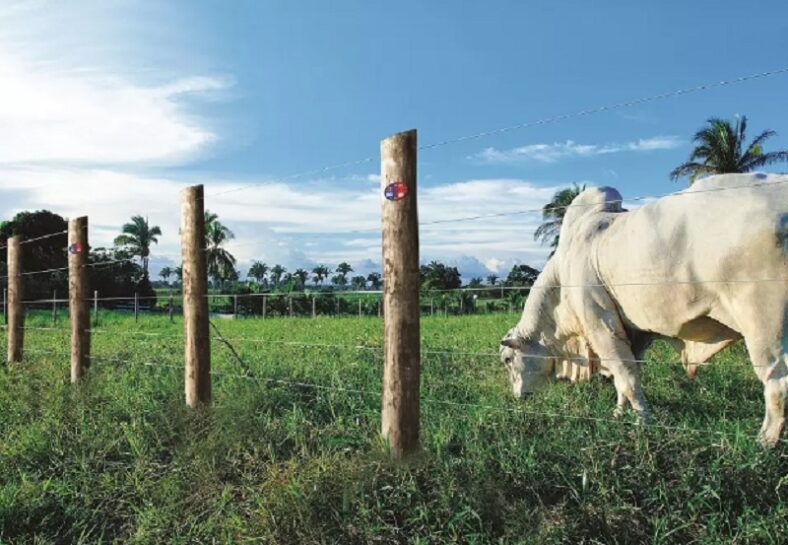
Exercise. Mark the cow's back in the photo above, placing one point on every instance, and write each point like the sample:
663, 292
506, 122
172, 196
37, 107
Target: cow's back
695, 253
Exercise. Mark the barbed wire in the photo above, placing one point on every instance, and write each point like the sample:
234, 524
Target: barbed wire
59, 269
528, 124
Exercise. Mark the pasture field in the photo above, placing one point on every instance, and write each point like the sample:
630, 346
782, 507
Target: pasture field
120, 459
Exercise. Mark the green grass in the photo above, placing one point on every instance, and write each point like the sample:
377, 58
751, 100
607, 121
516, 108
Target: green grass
119, 459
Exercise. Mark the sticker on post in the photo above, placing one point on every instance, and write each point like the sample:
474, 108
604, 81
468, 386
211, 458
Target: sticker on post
396, 191
75, 248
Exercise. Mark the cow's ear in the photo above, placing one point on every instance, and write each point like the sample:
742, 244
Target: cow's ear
515, 343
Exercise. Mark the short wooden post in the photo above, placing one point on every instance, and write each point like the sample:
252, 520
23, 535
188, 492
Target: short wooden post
95, 308
136, 307
265, 305
461, 305
401, 372
290, 305
54, 307
314, 306
16, 310
338, 309
378, 308
197, 347
78, 300
359, 308
170, 309
235, 307
432, 307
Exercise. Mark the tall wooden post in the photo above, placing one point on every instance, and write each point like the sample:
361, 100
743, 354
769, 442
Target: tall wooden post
197, 347
78, 300
401, 372
16, 310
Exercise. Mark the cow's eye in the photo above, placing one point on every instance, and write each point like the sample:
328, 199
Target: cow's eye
508, 361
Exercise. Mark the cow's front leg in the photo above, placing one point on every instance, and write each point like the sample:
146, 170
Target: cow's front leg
622, 404
621, 362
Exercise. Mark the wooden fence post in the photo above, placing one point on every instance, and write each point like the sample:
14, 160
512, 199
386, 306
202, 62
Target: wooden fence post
78, 300
290, 305
136, 307
54, 307
95, 308
5, 305
170, 309
265, 305
197, 347
235, 307
16, 310
400, 400
314, 306
359, 308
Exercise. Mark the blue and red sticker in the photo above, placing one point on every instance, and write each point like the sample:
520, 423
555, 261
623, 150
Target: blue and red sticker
396, 191
75, 248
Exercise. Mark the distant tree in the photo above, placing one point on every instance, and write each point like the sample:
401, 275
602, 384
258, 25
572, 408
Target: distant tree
492, 279
220, 262
165, 274
258, 271
476, 282
521, 275
137, 238
302, 275
343, 269
178, 273
358, 282
276, 274
721, 149
374, 280
437, 276
553, 216
321, 272
339, 280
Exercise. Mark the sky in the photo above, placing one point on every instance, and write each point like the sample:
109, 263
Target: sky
108, 109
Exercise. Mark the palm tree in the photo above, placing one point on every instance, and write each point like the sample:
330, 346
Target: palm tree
221, 263
374, 280
258, 271
339, 280
276, 274
720, 149
137, 238
165, 274
302, 275
343, 269
492, 279
321, 272
553, 215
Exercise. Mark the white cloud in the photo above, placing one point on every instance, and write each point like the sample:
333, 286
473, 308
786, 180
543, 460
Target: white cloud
551, 153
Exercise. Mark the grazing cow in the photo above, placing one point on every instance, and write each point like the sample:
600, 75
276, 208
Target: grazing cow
701, 268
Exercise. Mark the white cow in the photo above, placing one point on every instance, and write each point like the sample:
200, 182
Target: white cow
702, 268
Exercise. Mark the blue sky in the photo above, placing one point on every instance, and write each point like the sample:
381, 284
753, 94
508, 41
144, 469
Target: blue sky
109, 108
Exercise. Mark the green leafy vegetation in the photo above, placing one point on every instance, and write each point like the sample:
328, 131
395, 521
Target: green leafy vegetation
119, 459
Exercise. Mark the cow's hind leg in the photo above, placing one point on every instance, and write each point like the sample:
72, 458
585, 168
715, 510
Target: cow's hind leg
771, 366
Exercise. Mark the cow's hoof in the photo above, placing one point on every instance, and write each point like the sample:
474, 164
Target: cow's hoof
644, 418
619, 411
768, 440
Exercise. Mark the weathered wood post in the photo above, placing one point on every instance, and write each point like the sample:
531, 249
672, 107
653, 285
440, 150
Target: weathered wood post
235, 306
401, 372
95, 308
461, 305
314, 306
359, 308
16, 310
290, 305
78, 300
197, 347
265, 305
170, 309
54, 307
136, 307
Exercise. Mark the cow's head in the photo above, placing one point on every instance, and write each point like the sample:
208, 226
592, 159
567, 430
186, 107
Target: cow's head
528, 362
